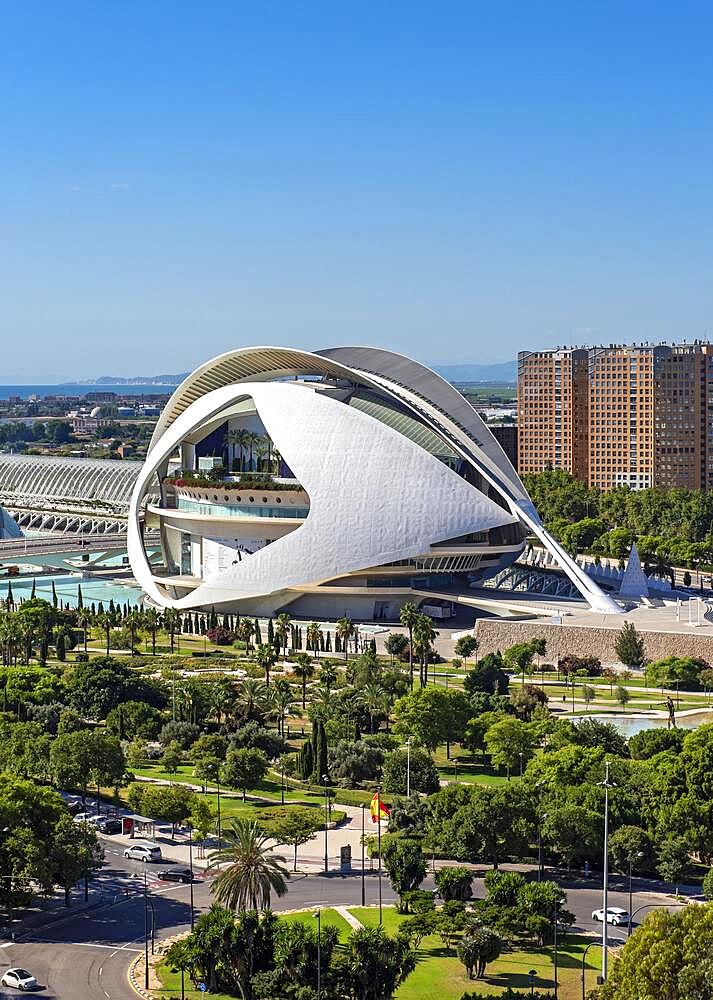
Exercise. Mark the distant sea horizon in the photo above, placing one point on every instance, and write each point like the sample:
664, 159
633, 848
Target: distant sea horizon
81, 389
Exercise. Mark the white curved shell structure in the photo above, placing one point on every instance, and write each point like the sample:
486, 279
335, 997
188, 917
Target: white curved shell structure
343, 482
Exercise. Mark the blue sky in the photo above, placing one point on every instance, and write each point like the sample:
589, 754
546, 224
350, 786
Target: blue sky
454, 180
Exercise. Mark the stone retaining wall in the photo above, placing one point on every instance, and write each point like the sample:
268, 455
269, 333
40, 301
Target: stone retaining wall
579, 640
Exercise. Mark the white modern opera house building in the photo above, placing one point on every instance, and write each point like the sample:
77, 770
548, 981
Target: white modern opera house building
346, 481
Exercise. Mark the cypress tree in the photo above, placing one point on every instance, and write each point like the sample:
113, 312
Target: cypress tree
80, 599
257, 639
306, 761
226, 622
328, 643
112, 609
337, 643
61, 648
271, 633
54, 595
213, 618
372, 647
321, 642
94, 609
34, 589
10, 599
101, 608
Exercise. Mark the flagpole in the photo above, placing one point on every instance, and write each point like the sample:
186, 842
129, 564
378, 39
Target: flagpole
378, 820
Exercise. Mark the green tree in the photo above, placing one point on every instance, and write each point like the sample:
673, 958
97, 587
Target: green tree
455, 882
631, 845
374, 965
265, 657
667, 956
303, 668
477, 947
75, 851
408, 617
405, 866
507, 739
253, 873
466, 646
202, 819
171, 803
488, 675
622, 695
673, 860
432, 716
686, 670
172, 757
244, 769
423, 772
629, 646
296, 827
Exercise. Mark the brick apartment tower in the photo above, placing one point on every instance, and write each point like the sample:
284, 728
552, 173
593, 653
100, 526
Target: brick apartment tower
634, 416
552, 408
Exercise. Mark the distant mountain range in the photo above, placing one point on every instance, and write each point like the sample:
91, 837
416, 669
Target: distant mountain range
505, 371
134, 380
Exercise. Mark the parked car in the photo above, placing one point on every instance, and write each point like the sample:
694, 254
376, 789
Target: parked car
143, 852
176, 874
85, 817
109, 825
615, 915
19, 979
74, 807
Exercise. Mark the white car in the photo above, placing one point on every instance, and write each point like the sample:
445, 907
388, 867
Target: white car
143, 852
615, 915
19, 979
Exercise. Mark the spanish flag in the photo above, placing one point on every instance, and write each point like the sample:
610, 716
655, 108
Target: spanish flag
378, 809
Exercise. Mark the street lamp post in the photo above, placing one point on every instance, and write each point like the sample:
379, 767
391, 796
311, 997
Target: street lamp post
363, 833
319, 954
556, 955
639, 854
326, 825
282, 781
190, 863
521, 755
378, 828
146, 934
408, 767
220, 840
584, 967
606, 784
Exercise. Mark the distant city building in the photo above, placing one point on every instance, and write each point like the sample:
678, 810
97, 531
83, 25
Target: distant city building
622, 415
506, 436
552, 411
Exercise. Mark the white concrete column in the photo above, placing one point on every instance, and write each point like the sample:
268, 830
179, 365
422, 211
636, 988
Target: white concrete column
188, 456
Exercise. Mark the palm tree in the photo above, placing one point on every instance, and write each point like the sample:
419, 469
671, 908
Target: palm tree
252, 875
373, 696
345, 630
303, 668
253, 440
84, 618
245, 631
424, 635
106, 621
150, 620
172, 622
328, 675
260, 450
243, 441
230, 440
314, 637
281, 698
282, 630
251, 701
407, 617
265, 657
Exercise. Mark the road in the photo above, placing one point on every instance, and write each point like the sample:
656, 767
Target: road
85, 955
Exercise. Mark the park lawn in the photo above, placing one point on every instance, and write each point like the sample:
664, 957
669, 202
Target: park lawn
328, 918
471, 770
171, 986
267, 789
440, 973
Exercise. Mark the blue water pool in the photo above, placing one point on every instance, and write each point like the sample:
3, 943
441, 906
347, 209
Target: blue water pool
93, 590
